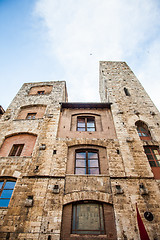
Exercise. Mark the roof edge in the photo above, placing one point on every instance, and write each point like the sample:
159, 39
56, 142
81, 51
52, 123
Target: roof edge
85, 105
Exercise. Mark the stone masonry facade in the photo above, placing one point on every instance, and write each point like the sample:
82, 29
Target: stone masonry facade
79, 169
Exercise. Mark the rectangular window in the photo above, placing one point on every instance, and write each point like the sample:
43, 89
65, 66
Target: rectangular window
86, 124
16, 150
40, 92
31, 116
88, 218
87, 162
6, 190
153, 155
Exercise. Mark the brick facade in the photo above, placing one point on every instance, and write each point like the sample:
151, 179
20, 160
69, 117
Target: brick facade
38, 110
24, 138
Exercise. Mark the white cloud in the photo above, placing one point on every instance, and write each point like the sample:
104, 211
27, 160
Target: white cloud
81, 33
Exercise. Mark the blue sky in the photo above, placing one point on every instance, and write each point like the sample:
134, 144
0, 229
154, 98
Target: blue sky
43, 40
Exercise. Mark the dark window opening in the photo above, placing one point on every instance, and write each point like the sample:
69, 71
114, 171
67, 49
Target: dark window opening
86, 124
6, 190
30, 197
56, 186
8, 236
127, 92
87, 162
88, 218
31, 116
16, 150
54, 151
41, 92
153, 155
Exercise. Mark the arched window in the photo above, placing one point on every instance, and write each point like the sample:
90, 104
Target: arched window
143, 131
6, 190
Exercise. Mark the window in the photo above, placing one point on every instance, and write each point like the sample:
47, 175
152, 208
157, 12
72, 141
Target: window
87, 162
16, 150
143, 131
40, 92
31, 116
88, 218
127, 92
153, 155
86, 124
6, 190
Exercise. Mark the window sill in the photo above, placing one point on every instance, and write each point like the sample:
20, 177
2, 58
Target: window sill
88, 175
27, 119
78, 236
86, 131
150, 142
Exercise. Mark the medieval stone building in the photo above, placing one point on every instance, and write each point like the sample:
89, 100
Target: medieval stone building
75, 171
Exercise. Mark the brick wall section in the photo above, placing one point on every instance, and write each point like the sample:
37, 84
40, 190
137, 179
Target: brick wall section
108, 219
39, 110
46, 88
103, 120
27, 139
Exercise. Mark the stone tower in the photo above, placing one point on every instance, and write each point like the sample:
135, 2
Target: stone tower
137, 122
29, 164
75, 171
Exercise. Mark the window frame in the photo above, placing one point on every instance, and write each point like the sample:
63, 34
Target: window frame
146, 131
41, 92
155, 160
86, 121
102, 230
17, 148
33, 116
3, 188
86, 161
